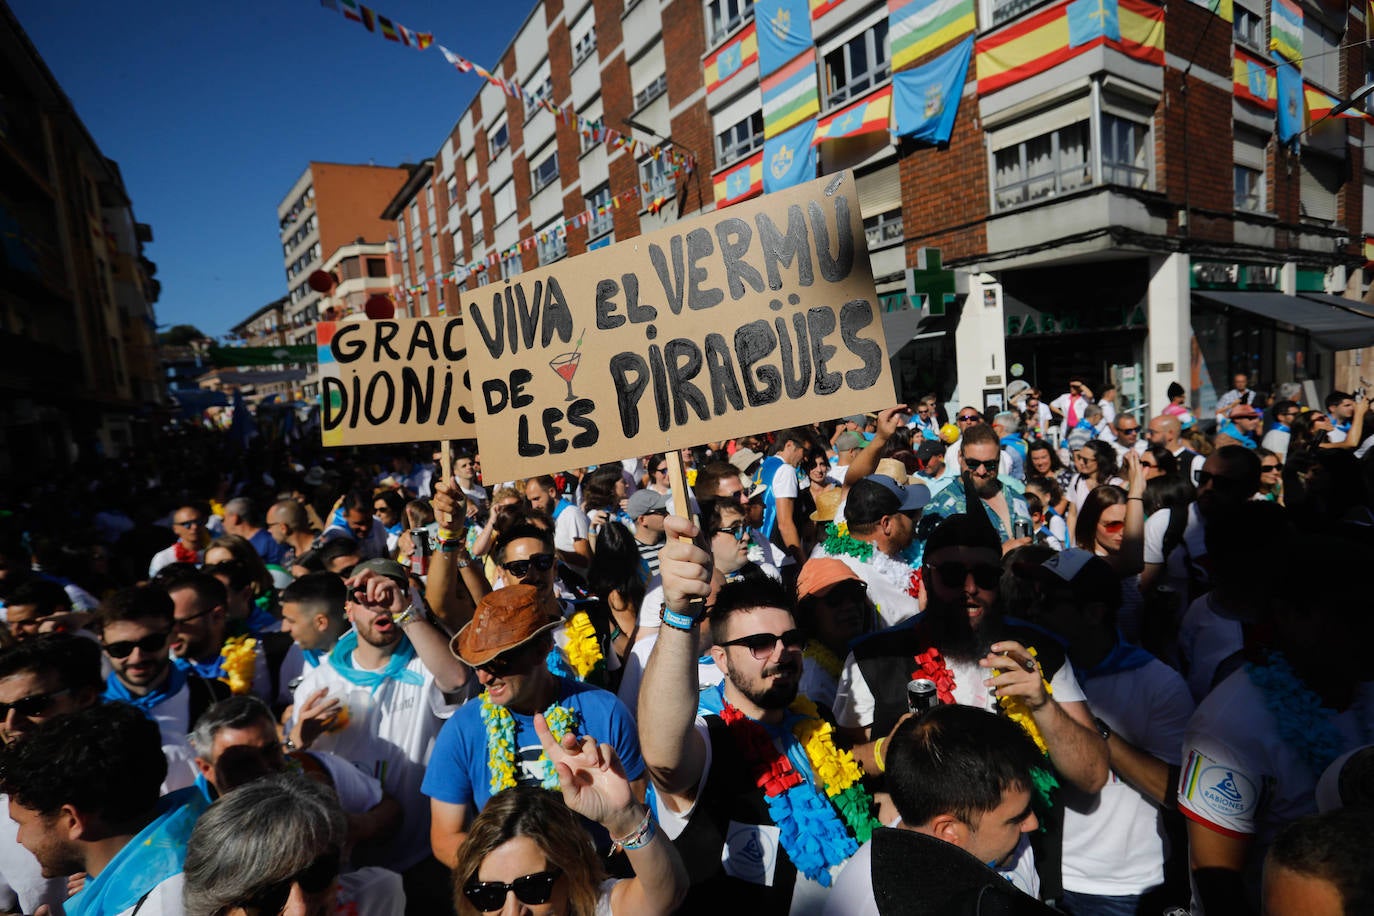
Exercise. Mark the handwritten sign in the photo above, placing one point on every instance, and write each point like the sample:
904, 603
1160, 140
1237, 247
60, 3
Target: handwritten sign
398, 380
757, 317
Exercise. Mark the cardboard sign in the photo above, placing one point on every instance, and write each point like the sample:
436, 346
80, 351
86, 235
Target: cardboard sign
397, 380
757, 317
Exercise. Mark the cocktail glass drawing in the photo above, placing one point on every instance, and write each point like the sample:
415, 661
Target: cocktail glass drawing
565, 364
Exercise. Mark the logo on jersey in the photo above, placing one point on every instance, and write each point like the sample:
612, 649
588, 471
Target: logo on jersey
1226, 792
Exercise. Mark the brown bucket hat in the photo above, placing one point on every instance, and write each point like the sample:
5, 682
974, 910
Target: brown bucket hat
506, 618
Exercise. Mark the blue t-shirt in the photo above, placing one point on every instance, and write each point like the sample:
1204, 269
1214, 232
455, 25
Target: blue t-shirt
266, 546
457, 771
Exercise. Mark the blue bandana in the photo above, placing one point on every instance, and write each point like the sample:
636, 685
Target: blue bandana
211, 671
342, 659
1123, 657
1229, 428
116, 691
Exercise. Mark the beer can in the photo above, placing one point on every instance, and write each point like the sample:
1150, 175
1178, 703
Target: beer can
921, 695
420, 551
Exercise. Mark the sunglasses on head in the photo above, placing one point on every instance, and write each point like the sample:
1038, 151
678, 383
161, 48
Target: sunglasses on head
542, 562
315, 878
28, 707
489, 896
761, 645
153, 642
985, 575
738, 532
990, 465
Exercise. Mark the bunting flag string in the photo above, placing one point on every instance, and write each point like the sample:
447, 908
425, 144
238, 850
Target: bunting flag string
365, 16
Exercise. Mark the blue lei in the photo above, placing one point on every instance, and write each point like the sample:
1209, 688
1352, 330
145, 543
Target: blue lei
1304, 724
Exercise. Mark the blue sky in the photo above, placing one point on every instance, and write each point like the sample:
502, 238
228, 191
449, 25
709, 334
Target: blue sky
212, 111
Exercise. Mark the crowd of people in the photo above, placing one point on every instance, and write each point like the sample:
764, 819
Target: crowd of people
1062, 656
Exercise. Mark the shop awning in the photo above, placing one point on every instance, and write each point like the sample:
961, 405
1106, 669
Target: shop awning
1354, 305
1331, 326
905, 325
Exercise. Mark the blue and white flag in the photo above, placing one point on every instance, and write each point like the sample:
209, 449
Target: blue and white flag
789, 158
784, 31
1090, 20
926, 98
1290, 100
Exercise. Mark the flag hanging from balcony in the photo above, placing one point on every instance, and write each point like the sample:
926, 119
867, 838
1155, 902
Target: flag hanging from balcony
1223, 8
789, 95
871, 113
1253, 80
743, 180
731, 57
1288, 82
1319, 105
1093, 20
1040, 41
1285, 29
820, 7
917, 27
789, 158
784, 31
926, 98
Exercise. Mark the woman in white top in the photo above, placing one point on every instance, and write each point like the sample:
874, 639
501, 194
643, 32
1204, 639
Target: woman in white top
1095, 464
527, 842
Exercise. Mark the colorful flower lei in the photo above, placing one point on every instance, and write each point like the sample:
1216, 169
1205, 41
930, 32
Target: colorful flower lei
239, 660
838, 542
931, 665
583, 648
501, 745
819, 828
830, 663
1305, 725
1017, 710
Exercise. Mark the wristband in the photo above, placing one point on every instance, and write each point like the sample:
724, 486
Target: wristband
641, 836
676, 620
452, 545
446, 535
409, 614
1129, 498
878, 754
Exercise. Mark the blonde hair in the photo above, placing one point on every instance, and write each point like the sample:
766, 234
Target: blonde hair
541, 816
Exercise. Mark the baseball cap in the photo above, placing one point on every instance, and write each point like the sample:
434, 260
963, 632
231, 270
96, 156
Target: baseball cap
1241, 411
642, 502
878, 495
964, 530
386, 568
504, 619
820, 575
849, 439
1090, 577
928, 451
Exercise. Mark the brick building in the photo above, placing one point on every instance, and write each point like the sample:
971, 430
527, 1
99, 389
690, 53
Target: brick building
1118, 206
78, 353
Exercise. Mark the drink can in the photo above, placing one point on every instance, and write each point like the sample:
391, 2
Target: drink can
1021, 529
921, 695
420, 551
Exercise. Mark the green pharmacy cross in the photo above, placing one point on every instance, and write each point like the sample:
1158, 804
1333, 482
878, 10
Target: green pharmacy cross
931, 281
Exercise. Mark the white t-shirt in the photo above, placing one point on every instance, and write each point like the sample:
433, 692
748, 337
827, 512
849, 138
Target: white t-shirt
370, 891
389, 736
708, 673
162, 900
21, 873
1193, 545
1112, 840
784, 482
1206, 638
173, 718
854, 702
1241, 778
571, 525
1063, 402
358, 793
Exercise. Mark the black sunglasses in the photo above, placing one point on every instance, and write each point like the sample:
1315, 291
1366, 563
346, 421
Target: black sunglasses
153, 642
1270, 467
738, 532
543, 562
1129, 429
315, 878
489, 896
36, 705
506, 662
761, 645
954, 575
1216, 480
990, 465
969, 418
190, 523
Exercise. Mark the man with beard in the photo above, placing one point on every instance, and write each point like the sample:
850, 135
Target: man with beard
199, 632
975, 657
732, 781
980, 454
379, 700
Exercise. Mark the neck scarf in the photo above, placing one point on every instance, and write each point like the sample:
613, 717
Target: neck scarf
183, 554
1123, 657
156, 853
395, 669
1229, 428
116, 691
210, 671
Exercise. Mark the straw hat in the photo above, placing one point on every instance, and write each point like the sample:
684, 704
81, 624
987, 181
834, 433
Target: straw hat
827, 503
894, 468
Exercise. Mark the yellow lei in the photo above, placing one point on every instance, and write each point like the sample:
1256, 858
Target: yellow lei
1017, 711
830, 663
500, 726
584, 651
240, 660
836, 769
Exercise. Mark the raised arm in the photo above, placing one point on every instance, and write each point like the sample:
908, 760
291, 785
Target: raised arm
1131, 558
451, 589
673, 751
866, 462
407, 609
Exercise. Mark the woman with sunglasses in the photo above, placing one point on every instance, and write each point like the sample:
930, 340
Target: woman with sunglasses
1312, 429
1157, 461
527, 853
1094, 466
1111, 524
603, 497
1271, 476
658, 480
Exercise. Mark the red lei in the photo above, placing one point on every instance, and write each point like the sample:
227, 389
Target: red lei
914, 586
931, 665
772, 771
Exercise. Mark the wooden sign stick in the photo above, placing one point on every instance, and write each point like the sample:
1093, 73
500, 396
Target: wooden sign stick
446, 458
677, 479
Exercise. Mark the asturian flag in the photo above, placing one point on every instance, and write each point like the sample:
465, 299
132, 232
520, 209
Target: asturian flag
789, 158
926, 99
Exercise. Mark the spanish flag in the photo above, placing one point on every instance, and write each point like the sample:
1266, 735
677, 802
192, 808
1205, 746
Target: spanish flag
1253, 80
740, 182
1319, 105
730, 58
869, 114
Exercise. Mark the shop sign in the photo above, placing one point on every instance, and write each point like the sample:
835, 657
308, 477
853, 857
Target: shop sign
1226, 275
1035, 323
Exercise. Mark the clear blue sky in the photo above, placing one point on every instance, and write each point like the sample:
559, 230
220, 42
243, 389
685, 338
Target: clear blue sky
212, 111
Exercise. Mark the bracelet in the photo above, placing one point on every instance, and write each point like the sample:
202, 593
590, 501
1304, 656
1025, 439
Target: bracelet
675, 620
638, 838
446, 535
409, 614
878, 754
451, 545
1129, 498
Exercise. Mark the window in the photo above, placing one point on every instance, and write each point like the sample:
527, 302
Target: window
724, 16
415, 215
1250, 159
376, 267
1321, 63
857, 65
884, 229
503, 202
656, 88
584, 46
1248, 30
1320, 185
602, 222
653, 179
401, 231
498, 138
511, 266
453, 191
470, 167
1054, 163
478, 236
589, 135
739, 140
1125, 152
545, 172
553, 243
1002, 10
537, 94
1249, 189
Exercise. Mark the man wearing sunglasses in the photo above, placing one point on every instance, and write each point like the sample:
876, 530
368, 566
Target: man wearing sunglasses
571, 527
507, 643
84, 790
188, 523
136, 626
43, 677
648, 509
200, 626
981, 657
980, 457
